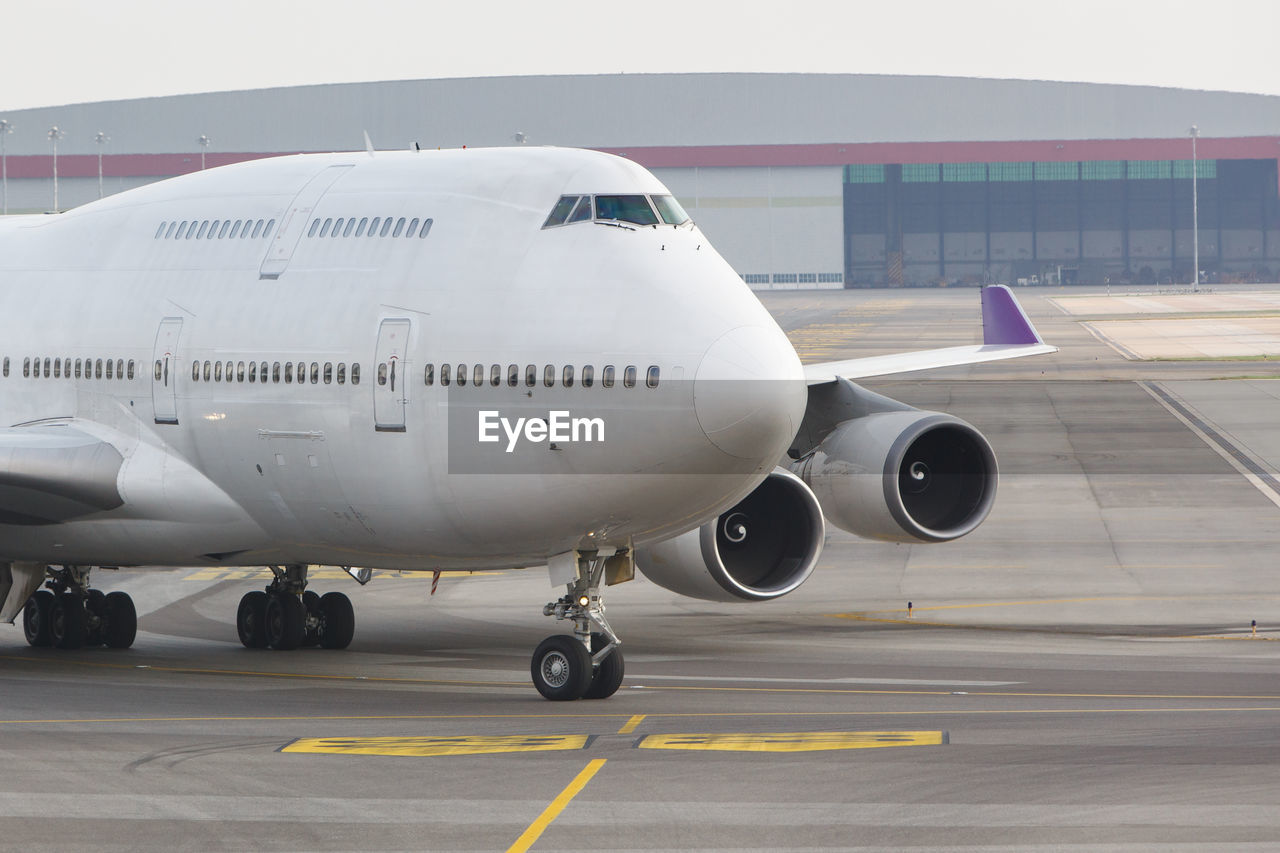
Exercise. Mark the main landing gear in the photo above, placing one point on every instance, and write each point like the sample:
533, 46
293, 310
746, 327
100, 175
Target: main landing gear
589, 664
287, 615
69, 614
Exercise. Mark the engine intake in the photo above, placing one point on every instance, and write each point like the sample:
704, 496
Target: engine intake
904, 476
763, 548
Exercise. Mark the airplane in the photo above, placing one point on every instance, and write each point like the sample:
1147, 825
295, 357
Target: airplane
424, 360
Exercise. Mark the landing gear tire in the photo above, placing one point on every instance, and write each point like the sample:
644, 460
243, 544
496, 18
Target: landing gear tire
608, 675
35, 618
67, 623
95, 602
338, 621
251, 619
121, 620
561, 668
286, 622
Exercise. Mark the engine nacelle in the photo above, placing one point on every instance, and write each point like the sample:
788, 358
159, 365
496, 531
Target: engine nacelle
903, 476
763, 548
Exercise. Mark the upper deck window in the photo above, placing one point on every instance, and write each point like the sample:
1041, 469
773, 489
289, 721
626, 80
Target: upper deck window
625, 208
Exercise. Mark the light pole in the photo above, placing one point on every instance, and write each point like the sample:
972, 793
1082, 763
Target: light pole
204, 146
54, 135
6, 128
1195, 216
101, 139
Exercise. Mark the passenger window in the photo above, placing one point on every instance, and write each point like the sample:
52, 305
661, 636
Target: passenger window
48, 366
413, 227
169, 233
531, 375
160, 230
302, 372
337, 226
57, 369
262, 372
382, 373
257, 226
226, 224
429, 375
230, 371
315, 373
119, 368
513, 375
328, 373
208, 371
342, 373
583, 211
426, 227
324, 229
266, 232
78, 367
629, 377
235, 229
355, 374
130, 369
253, 371
97, 369
462, 374
275, 371
588, 376
315, 226
495, 375
549, 376
386, 226
351, 223
399, 227
288, 371
606, 377
200, 234
373, 226
6, 367
561, 211
213, 229
217, 371
477, 375
566, 376
88, 369
444, 374
651, 378
190, 230
26, 368
240, 371
364, 220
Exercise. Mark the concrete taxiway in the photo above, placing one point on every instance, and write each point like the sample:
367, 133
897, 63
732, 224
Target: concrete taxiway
1081, 673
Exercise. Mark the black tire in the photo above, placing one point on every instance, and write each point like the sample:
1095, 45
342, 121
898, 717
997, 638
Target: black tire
286, 622
35, 618
561, 668
338, 621
95, 601
251, 619
67, 623
608, 676
121, 619
311, 604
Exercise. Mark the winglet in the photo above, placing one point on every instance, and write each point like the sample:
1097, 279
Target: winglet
1004, 322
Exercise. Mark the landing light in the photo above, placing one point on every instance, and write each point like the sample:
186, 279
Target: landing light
583, 601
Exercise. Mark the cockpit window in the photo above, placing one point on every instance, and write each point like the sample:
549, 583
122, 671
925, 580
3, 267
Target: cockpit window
583, 212
625, 208
561, 211
670, 210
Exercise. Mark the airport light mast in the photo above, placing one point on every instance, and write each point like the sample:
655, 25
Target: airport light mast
101, 139
54, 135
1195, 216
6, 128
204, 142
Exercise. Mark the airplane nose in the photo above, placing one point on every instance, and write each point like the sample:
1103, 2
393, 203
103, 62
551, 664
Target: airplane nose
749, 392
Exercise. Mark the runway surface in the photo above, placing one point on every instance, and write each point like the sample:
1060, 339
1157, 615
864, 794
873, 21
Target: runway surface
1081, 673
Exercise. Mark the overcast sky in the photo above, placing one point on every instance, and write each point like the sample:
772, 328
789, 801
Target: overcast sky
88, 50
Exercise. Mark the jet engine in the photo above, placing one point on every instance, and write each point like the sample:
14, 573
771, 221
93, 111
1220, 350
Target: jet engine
762, 548
903, 476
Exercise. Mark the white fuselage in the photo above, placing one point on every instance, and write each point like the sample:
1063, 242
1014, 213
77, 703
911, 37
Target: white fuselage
240, 472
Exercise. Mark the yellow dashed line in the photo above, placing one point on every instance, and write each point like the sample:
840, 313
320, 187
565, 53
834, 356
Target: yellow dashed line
327, 574
630, 725
535, 830
422, 747
792, 741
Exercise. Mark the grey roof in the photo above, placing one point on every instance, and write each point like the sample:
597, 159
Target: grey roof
645, 110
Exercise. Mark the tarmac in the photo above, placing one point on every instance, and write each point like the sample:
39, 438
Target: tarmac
1081, 673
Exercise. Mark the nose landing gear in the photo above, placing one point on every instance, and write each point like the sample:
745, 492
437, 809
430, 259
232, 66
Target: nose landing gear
588, 665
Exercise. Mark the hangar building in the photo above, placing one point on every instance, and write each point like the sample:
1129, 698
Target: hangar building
800, 180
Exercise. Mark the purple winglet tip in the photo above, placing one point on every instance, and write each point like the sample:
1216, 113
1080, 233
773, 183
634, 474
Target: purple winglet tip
1004, 323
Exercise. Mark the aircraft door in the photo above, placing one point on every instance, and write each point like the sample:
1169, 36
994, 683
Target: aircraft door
390, 380
164, 371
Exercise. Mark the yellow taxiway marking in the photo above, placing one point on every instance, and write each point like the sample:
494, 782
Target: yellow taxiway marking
793, 741
328, 574
630, 725
434, 746
539, 826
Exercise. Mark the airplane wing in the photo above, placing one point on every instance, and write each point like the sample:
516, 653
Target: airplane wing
52, 474
1006, 333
